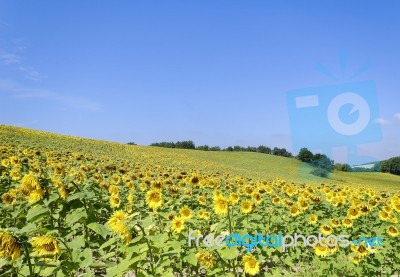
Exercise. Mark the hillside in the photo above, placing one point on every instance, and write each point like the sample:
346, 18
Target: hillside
253, 166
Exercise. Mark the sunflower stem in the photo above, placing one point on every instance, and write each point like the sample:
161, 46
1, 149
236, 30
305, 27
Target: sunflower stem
150, 252
28, 259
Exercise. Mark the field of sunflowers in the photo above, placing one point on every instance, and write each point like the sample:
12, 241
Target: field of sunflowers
79, 207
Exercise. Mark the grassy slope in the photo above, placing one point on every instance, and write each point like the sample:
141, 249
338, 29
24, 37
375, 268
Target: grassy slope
252, 165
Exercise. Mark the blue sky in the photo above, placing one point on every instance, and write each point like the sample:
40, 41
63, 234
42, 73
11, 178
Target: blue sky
215, 72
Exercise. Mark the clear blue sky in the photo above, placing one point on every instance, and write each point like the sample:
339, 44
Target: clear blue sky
215, 72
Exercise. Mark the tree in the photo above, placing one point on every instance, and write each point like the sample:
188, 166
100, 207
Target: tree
323, 162
264, 149
203, 147
187, 144
131, 143
305, 155
342, 167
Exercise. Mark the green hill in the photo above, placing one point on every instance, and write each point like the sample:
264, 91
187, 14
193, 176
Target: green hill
250, 165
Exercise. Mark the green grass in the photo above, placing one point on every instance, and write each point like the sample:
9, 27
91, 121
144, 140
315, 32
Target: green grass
251, 165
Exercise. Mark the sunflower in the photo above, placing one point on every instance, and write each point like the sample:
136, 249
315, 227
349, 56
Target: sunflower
245, 206
250, 265
335, 222
326, 229
204, 214
393, 218
353, 213
113, 189
63, 192
5, 162
365, 209
221, 206
303, 205
115, 202
130, 198
355, 259
392, 231
257, 197
9, 197
9, 248
313, 219
206, 259
360, 250
320, 250
347, 222
186, 212
45, 246
202, 200
383, 215
117, 224
233, 198
154, 199
294, 210
178, 224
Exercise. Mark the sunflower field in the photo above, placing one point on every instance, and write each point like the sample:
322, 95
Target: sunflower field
78, 207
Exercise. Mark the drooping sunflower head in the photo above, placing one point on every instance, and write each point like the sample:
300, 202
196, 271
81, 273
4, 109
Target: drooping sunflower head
9, 247
45, 246
206, 258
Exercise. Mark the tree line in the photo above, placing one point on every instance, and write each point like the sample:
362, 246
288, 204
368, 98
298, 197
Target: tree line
190, 145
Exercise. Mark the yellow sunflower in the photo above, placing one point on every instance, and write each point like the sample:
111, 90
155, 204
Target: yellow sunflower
313, 219
221, 206
245, 206
45, 245
186, 212
178, 224
392, 231
154, 199
9, 248
206, 259
250, 265
326, 229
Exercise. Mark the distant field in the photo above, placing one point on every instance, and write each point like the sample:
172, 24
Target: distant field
251, 165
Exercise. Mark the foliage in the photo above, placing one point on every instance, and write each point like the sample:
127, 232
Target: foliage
391, 166
305, 155
342, 167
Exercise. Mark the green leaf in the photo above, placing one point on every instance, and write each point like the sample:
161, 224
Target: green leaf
86, 258
99, 229
77, 242
35, 212
229, 253
191, 258
52, 198
75, 216
108, 243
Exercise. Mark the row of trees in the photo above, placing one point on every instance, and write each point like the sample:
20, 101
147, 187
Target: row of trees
187, 144
391, 166
260, 149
